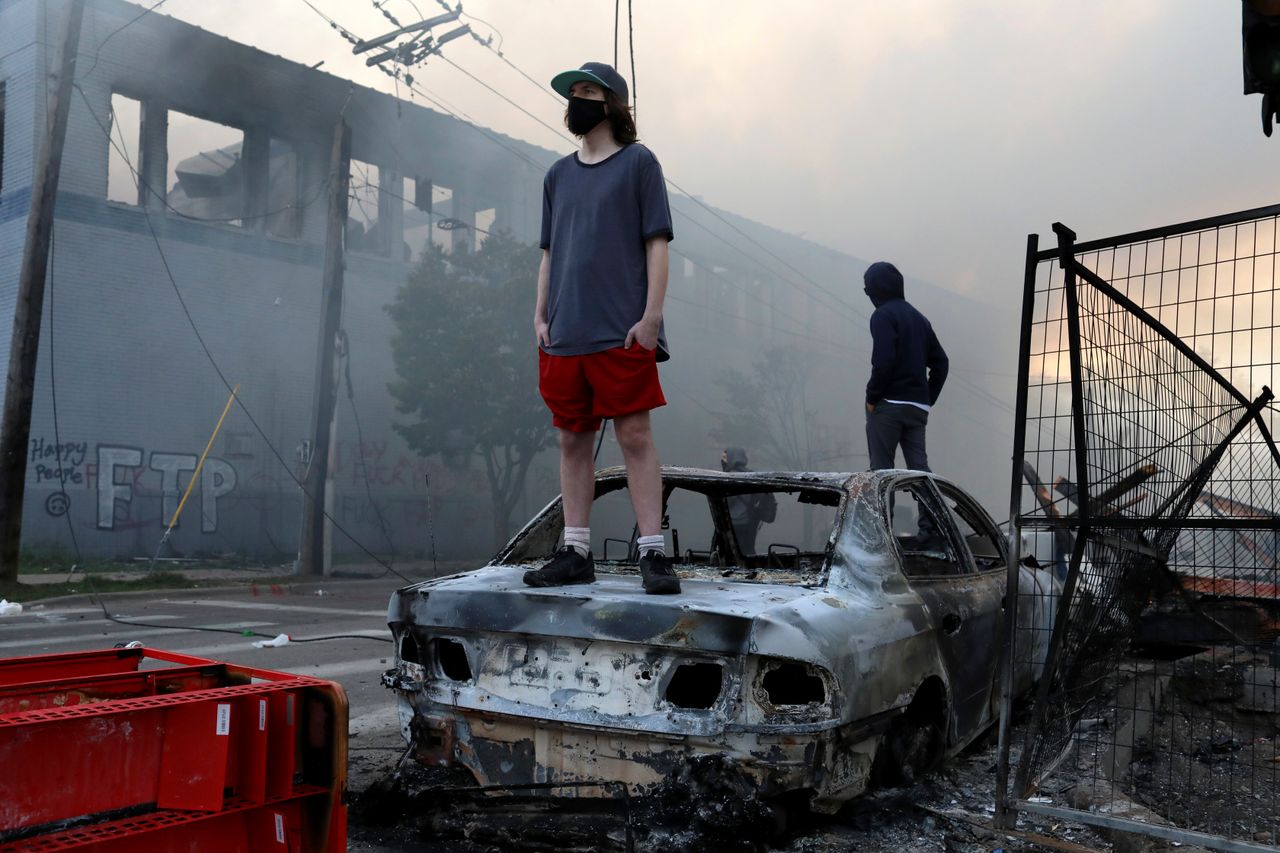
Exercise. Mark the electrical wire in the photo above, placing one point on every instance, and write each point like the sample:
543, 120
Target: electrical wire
631, 49
800, 334
836, 300
190, 319
88, 577
833, 299
549, 127
836, 345
98, 53
364, 464
53, 397
135, 623
214, 363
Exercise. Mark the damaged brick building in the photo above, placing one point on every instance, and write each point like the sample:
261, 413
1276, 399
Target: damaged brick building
211, 188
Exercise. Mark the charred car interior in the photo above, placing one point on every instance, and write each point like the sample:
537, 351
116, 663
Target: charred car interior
835, 630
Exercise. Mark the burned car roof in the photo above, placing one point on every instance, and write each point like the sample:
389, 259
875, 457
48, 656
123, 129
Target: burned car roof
714, 612
799, 479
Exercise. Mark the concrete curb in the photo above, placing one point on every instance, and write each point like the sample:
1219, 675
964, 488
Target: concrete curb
305, 587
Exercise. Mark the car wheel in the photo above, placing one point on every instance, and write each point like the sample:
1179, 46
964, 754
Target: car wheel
912, 747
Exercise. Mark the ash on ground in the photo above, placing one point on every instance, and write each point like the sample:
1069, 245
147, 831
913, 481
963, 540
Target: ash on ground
1211, 762
1193, 746
707, 807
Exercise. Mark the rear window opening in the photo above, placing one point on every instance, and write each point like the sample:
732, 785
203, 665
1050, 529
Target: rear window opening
739, 531
695, 686
792, 684
451, 658
409, 649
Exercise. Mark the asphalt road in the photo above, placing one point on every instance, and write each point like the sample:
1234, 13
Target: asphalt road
347, 607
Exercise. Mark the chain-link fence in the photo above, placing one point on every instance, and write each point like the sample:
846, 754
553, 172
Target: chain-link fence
1145, 472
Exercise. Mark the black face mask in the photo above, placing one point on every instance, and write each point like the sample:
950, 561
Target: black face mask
584, 115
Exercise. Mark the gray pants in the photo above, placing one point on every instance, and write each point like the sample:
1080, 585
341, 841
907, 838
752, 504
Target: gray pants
893, 424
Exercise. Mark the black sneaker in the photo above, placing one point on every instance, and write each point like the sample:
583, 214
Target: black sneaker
658, 576
566, 567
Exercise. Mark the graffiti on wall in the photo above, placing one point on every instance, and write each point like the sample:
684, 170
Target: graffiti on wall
355, 461
50, 462
119, 474
120, 470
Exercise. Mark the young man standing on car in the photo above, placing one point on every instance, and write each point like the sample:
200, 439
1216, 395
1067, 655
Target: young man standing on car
603, 278
908, 369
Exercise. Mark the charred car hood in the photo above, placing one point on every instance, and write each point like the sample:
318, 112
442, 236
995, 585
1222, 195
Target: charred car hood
707, 616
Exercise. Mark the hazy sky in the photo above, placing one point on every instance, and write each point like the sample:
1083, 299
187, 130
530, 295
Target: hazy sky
935, 134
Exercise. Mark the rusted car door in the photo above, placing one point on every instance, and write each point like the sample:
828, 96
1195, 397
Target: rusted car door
964, 604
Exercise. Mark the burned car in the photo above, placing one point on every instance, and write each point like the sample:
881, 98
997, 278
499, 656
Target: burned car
859, 636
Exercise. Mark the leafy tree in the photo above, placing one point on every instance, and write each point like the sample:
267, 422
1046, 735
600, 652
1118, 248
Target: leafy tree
465, 361
769, 412
769, 415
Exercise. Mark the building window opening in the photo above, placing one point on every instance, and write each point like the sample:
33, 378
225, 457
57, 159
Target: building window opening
442, 209
484, 224
123, 163
283, 214
206, 178
364, 225
417, 196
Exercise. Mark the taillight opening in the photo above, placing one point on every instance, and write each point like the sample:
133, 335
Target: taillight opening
451, 659
695, 686
793, 684
409, 649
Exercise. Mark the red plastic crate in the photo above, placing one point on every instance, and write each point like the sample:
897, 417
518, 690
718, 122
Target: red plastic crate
93, 744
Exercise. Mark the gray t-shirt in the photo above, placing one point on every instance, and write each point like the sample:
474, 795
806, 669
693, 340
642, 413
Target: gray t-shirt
595, 221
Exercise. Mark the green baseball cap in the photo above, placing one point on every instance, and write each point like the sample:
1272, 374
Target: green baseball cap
593, 72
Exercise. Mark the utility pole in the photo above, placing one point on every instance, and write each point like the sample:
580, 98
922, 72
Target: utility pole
15, 423
311, 554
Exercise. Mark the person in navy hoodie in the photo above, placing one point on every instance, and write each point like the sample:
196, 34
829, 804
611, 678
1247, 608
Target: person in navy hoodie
908, 370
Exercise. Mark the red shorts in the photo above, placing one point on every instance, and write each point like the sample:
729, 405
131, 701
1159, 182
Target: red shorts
582, 390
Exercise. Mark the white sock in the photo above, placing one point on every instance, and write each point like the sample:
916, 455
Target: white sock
579, 539
645, 544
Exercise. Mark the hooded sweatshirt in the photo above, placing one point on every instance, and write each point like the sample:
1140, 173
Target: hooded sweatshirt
907, 362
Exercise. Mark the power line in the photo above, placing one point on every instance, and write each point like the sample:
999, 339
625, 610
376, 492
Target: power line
466, 14
631, 49
837, 301
53, 396
98, 52
508, 100
710, 270
209, 354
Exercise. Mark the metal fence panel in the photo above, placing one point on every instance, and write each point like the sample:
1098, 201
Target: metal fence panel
1145, 472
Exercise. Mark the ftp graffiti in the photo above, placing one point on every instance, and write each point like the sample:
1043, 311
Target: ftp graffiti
120, 474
